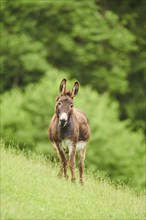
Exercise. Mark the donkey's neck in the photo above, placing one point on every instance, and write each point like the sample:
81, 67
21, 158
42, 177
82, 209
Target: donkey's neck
67, 131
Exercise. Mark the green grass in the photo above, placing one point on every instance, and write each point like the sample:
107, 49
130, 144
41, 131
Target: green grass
30, 189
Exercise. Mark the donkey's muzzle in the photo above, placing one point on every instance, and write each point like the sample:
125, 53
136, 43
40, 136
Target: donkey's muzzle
63, 119
62, 122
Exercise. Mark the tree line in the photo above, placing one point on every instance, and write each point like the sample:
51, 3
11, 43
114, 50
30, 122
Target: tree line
96, 42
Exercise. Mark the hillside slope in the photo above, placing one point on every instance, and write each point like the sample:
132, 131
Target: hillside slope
30, 189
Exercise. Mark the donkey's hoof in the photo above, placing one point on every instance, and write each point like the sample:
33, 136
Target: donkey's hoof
59, 175
66, 177
82, 182
73, 180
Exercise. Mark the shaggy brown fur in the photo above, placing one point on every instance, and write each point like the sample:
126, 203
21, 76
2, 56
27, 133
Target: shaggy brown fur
69, 125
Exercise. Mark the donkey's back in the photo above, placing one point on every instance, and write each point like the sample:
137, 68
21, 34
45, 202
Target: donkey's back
83, 124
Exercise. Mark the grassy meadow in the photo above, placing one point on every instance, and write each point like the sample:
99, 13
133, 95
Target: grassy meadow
30, 189
101, 46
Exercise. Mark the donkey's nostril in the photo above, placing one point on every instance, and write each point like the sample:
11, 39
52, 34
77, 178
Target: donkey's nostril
63, 122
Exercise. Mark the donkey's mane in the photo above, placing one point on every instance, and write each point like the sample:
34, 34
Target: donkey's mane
67, 93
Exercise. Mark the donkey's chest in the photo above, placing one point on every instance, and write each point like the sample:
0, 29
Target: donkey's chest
66, 133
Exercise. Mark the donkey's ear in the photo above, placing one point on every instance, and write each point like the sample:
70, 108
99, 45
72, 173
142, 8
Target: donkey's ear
62, 87
75, 89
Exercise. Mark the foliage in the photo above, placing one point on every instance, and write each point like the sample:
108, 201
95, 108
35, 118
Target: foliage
96, 47
30, 189
132, 15
23, 60
113, 148
96, 42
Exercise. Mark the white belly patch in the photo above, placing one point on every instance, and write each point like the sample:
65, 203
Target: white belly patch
67, 144
80, 145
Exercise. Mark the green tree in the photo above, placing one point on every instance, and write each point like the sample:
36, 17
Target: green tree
94, 47
132, 14
96, 42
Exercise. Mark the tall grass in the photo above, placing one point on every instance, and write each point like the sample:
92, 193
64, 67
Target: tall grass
30, 189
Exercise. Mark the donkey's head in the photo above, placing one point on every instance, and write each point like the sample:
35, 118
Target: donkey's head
64, 105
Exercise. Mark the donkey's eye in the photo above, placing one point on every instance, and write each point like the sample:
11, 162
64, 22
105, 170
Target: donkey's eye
71, 105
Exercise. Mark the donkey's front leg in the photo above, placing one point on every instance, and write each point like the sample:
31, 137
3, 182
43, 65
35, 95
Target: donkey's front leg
81, 164
72, 155
63, 160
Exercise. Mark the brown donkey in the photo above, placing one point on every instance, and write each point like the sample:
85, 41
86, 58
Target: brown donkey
69, 130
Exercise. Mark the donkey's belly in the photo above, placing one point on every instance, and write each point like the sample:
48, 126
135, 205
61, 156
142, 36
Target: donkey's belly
80, 145
67, 145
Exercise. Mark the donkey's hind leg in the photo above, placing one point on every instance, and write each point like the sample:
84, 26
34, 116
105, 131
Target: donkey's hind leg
81, 164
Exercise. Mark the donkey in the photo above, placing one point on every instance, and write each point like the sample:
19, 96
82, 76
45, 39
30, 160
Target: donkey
69, 129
